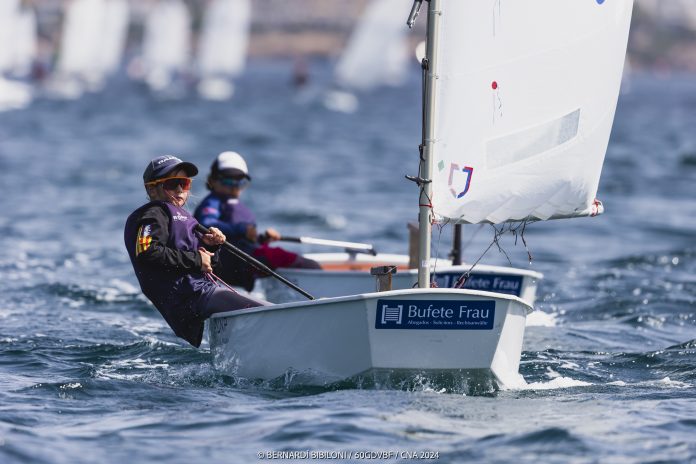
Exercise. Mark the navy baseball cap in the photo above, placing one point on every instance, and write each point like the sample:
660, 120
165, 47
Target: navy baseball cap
163, 165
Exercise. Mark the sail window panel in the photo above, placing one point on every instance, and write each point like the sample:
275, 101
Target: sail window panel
522, 145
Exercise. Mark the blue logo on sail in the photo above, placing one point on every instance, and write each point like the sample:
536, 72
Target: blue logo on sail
458, 185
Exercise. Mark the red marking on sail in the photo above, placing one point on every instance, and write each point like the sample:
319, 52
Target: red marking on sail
494, 85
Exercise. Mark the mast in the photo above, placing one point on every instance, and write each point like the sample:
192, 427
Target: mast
456, 253
426, 164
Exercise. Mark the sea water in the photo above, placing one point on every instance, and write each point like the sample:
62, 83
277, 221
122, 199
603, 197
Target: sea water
89, 371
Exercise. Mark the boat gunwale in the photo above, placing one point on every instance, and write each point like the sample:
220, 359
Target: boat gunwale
380, 259
488, 270
365, 296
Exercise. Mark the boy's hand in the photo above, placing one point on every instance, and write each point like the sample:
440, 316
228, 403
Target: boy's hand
272, 235
213, 237
206, 256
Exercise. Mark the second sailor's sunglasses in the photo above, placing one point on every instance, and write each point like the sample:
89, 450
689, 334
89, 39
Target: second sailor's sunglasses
171, 183
234, 182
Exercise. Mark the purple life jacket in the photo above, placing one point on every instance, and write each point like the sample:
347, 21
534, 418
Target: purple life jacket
178, 295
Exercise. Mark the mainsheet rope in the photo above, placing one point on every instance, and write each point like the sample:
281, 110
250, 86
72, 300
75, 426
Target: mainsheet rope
217, 280
496, 241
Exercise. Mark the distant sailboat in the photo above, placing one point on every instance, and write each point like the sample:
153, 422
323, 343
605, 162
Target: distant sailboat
116, 20
91, 47
17, 51
166, 47
376, 55
25, 43
222, 47
77, 67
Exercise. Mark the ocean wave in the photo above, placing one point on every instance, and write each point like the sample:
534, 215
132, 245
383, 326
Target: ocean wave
77, 295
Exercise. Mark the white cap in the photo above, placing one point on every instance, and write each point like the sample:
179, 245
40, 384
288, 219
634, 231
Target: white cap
230, 160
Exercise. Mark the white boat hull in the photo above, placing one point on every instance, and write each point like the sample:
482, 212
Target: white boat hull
320, 342
332, 283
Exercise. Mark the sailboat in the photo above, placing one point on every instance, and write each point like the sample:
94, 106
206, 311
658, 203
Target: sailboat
25, 42
376, 55
76, 67
17, 52
91, 47
222, 47
114, 34
166, 47
518, 107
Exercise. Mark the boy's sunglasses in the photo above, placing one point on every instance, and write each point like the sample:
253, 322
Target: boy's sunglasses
232, 182
171, 183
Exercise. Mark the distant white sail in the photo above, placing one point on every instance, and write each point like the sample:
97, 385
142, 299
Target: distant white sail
223, 45
376, 53
25, 42
8, 11
17, 50
115, 30
91, 46
166, 46
525, 105
81, 40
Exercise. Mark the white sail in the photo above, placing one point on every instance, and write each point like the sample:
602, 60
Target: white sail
376, 53
166, 42
81, 39
91, 47
525, 103
224, 41
17, 48
25, 42
8, 11
115, 29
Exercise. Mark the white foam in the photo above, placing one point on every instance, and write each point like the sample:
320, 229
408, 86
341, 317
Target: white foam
336, 221
72, 303
137, 369
667, 382
142, 327
541, 319
71, 386
432, 390
553, 384
124, 286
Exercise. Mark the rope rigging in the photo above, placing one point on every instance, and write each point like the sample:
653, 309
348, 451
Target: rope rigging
517, 229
